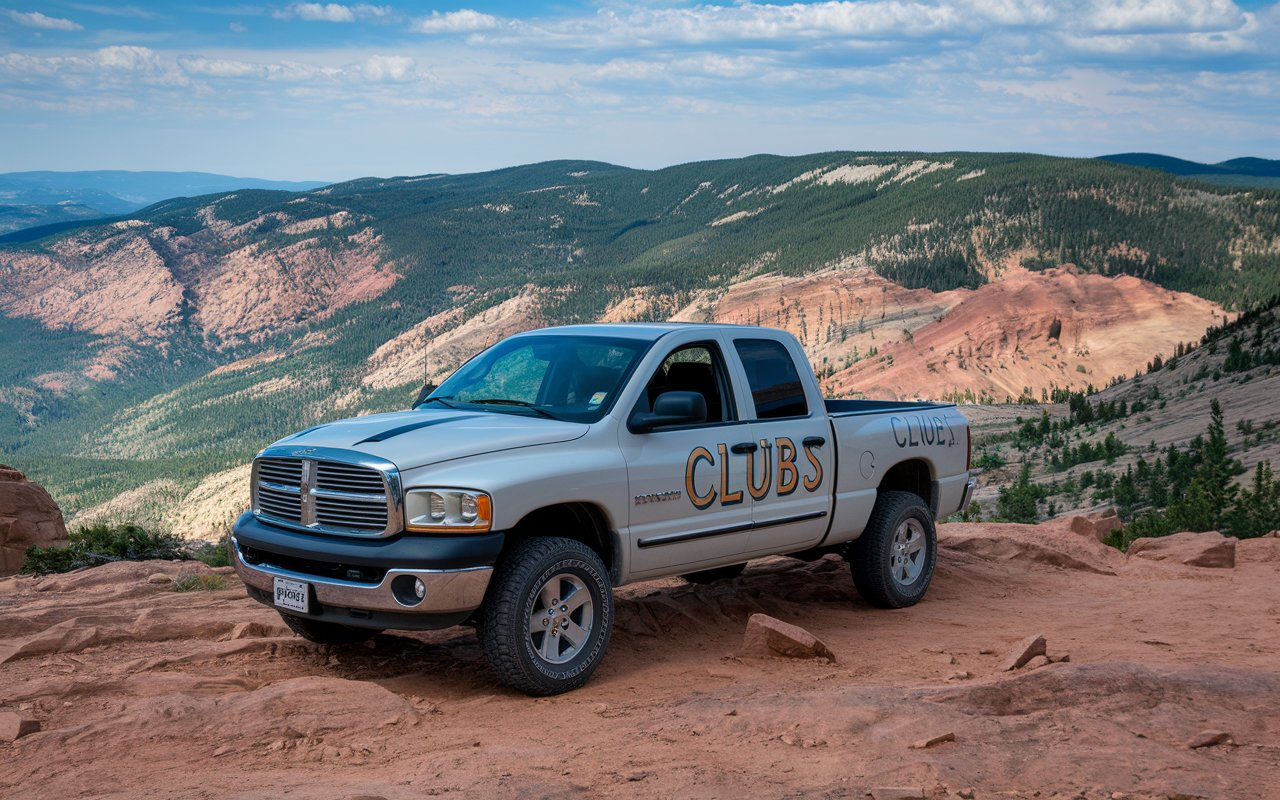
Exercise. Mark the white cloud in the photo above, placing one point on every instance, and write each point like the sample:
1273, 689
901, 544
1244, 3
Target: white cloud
114, 10
321, 12
365, 10
334, 12
34, 19
297, 72
1164, 15
219, 68
128, 57
237, 27
388, 68
461, 21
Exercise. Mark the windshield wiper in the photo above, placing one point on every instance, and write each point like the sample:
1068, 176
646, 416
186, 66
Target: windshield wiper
505, 401
444, 401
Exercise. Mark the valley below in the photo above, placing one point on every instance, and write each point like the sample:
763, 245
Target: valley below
151, 356
1163, 684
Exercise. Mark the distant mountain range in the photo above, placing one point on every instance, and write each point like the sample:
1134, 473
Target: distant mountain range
147, 357
40, 198
1261, 173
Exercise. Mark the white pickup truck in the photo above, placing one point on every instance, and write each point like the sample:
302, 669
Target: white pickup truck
560, 463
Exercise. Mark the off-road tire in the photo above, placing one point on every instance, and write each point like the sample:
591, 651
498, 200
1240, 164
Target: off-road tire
506, 628
314, 630
715, 574
874, 557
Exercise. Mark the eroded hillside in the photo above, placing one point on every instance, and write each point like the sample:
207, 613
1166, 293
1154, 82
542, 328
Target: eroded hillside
155, 353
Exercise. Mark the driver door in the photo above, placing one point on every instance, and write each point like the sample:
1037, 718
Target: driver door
690, 507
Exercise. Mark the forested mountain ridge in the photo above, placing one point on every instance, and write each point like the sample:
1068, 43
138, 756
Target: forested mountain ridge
154, 351
38, 198
1259, 173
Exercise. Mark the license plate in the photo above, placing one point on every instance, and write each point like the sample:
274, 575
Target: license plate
293, 595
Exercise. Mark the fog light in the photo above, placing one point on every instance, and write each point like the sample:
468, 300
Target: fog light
409, 590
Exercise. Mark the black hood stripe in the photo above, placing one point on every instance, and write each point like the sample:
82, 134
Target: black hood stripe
391, 433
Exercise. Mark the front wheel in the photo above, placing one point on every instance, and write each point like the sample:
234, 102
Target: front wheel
548, 617
892, 561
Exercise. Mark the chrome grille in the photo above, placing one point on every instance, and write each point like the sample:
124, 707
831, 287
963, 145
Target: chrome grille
325, 490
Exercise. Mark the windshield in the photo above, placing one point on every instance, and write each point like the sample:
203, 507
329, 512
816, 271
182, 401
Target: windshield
572, 378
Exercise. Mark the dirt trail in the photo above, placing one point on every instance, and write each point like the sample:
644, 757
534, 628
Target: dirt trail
142, 691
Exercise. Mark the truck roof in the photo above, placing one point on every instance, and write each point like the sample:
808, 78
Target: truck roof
649, 331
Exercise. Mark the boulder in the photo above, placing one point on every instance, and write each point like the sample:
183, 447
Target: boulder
1210, 739
1210, 549
767, 636
14, 726
933, 741
1024, 651
28, 516
1096, 526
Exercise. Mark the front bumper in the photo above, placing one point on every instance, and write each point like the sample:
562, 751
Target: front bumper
353, 581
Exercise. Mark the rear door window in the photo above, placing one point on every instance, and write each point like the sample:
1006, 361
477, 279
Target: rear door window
775, 383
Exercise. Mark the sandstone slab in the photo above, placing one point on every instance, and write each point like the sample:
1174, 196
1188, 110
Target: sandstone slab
1096, 526
1024, 651
14, 726
1210, 549
768, 636
933, 741
1210, 739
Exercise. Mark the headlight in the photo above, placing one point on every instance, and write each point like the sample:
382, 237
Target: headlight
447, 511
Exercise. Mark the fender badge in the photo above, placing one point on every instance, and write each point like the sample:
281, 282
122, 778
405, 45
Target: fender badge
659, 497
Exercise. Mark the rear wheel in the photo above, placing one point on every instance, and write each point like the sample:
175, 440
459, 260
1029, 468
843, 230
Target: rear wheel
548, 617
715, 574
892, 561
313, 630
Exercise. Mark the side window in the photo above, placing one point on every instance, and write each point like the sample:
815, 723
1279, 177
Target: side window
695, 368
771, 374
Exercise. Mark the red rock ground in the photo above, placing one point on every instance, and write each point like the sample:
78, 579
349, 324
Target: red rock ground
142, 691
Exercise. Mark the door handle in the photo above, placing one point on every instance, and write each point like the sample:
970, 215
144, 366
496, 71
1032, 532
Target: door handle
814, 441
744, 447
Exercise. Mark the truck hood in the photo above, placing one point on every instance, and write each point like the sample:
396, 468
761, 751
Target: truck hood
411, 439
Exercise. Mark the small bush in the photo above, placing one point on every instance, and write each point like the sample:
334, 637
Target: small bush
199, 582
988, 459
214, 554
101, 544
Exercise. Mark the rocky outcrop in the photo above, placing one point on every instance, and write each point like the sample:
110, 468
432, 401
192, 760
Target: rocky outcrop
1023, 652
1210, 549
28, 516
1097, 525
767, 636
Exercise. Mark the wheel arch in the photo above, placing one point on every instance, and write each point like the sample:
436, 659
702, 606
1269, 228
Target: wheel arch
914, 475
581, 521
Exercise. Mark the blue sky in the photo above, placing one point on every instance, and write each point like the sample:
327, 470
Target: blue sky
331, 91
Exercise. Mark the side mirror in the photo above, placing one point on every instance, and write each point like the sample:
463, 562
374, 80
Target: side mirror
671, 408
423, 393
